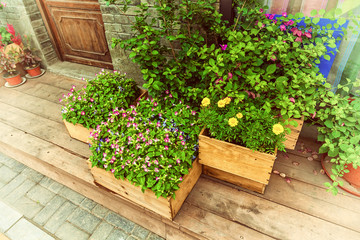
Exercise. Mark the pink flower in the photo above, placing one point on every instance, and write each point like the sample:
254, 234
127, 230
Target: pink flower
291, 22
218, 80
223, 46
292, 100
183, 143
284, 14
282, 27
170, 95
261, 10
157, 178
156, 170
273, 58
193, 113
343, 124
10, 29
176, 113
230, 75
91, 100
180, 178
155, 104
313, 116
60, 99
167, 91
308, 35
178, 161
82, 113
298, 39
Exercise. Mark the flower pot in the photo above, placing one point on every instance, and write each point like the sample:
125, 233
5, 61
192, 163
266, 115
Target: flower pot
166, 207
13, 79
292, 138
33, 71
235, 164
81, 133
353, 176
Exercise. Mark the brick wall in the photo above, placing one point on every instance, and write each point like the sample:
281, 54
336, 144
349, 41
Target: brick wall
26, 18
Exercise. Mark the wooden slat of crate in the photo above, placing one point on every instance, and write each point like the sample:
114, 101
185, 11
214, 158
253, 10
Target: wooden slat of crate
235, 159
166, 207
237, 180
292, 138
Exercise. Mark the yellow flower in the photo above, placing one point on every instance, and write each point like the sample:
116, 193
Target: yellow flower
221, 103
205, 102
278, 128
227, 100
233, 122
239, 115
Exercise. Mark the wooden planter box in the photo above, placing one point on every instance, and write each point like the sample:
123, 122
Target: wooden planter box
235, 164
291, 139
81, 133
166, 207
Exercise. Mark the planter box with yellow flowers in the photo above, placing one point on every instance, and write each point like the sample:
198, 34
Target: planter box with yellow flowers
220, 152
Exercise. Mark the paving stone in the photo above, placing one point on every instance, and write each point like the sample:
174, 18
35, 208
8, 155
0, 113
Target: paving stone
40, 194
11, 186
20, 191
84, 220
28, 207
120, 222
88, 204
51, 184
23, 229
60, 217
8, 216
32, 175
102, 231
12, 163
100, 211
132, 238
140, 232
49, 210
117, 234
6, 174
71, 195
70, 232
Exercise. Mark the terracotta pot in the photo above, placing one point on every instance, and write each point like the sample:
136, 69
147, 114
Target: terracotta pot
35, 71
13, 79
353, 177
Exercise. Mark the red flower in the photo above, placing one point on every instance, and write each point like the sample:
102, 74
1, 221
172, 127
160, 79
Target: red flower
298, 39
16, 39
351, 99
10, 29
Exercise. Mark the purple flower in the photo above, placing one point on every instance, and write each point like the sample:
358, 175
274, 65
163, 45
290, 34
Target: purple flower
223, 46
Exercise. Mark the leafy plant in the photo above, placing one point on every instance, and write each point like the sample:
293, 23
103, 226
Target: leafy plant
276, 57
9, 60
340, 132
91, 105
150, 145
30, 59
167, 54
243, 123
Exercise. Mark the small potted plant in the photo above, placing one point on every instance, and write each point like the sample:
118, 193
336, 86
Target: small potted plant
89, 106
147, 154
8, 63
240, 140
32, 63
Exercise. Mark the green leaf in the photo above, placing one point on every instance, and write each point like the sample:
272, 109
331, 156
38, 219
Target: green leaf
271, 69
155, 52
329, 124
336, 134
323, 149
341, 21
327, 57
333, 153
132, 54
315, 20
313, 12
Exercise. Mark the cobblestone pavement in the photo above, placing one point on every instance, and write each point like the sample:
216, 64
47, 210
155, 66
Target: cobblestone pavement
34, 207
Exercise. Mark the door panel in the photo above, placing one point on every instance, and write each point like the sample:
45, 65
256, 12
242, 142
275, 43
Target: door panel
78, 31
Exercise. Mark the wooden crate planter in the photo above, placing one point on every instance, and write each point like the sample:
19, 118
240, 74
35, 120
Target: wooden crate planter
235, 164
81, 133
292, 138
166, 207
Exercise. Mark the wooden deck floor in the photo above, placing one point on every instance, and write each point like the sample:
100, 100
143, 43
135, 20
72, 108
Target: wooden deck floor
32, 131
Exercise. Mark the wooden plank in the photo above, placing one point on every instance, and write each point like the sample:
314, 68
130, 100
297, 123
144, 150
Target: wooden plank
211, 226
97, 194
340, 210
44, 129
235, 159
292, 138
42, 90
237, 180
60, 81
38, 106
263, 215
46, 151
166, 207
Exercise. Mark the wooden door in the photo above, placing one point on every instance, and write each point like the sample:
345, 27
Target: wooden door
77, 29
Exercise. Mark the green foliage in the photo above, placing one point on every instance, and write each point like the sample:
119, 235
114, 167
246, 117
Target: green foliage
150, 144
91, 105
340, 132
5, 37
243, 123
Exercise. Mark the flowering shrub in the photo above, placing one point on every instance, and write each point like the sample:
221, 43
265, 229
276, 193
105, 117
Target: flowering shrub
274, 57
91, 105
243, 123
149, 145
